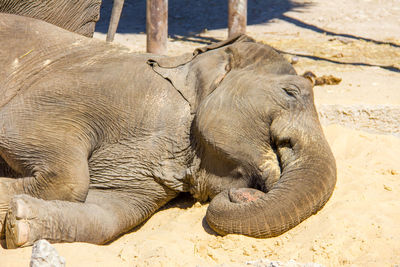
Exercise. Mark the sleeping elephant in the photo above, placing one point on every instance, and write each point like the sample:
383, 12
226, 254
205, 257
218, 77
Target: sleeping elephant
95, 138
78, 16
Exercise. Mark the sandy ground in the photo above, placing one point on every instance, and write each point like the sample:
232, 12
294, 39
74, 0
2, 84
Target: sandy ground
355, 40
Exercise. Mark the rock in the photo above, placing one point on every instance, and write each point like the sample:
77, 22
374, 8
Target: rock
294, 60
45, 255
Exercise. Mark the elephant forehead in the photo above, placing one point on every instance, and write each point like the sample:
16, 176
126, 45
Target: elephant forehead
250, 83
233, 96
262, 59
239, 84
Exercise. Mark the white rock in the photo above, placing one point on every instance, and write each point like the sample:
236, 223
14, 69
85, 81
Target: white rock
45, 255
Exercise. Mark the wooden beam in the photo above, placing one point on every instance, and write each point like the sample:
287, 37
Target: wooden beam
237, 17
115, 16
157, 26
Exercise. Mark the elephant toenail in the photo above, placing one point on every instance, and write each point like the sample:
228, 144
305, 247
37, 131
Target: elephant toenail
21, 233
21, 210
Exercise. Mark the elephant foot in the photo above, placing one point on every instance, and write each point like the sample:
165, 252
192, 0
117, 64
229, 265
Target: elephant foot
20, 221
5, 197
245, 195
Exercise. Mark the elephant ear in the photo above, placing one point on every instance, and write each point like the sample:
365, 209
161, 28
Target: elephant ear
237, 38
176, 69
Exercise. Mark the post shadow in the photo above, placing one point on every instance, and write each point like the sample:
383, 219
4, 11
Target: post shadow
186, 17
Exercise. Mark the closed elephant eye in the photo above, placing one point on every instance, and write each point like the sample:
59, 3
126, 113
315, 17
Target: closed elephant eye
291, 90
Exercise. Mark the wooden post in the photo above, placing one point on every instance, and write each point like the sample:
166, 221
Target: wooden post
115, 16
237, 17
157, 26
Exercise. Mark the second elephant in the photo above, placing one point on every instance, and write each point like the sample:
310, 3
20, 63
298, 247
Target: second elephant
78, 16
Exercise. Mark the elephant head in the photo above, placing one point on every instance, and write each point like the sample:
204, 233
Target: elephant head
265, 162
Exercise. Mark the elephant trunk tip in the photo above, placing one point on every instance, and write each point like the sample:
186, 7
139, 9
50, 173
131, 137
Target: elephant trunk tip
228, 212
244, 195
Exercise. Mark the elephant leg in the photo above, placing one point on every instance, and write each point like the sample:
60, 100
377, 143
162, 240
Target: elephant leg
5, 184
50, 173
104, 216
6, 171
5, 197
53, 179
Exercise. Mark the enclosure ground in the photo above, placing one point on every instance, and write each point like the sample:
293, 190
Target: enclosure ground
357, 41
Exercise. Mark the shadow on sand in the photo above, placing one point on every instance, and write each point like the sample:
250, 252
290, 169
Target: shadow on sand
189, 17
192, 16
314, 28
182, 201
386, 67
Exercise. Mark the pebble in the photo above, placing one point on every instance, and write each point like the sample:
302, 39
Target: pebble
294, 60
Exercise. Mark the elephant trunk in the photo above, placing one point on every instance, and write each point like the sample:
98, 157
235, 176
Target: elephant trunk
308, 177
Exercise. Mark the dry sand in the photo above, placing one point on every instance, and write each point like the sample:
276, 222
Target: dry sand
360, 225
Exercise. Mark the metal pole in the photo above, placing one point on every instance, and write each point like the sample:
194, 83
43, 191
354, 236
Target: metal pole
157, 26
237, 17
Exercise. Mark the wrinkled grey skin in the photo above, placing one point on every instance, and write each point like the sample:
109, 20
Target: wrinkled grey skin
78, 16
95, 138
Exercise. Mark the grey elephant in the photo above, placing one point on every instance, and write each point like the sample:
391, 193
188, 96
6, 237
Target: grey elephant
95, 138
78, 16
